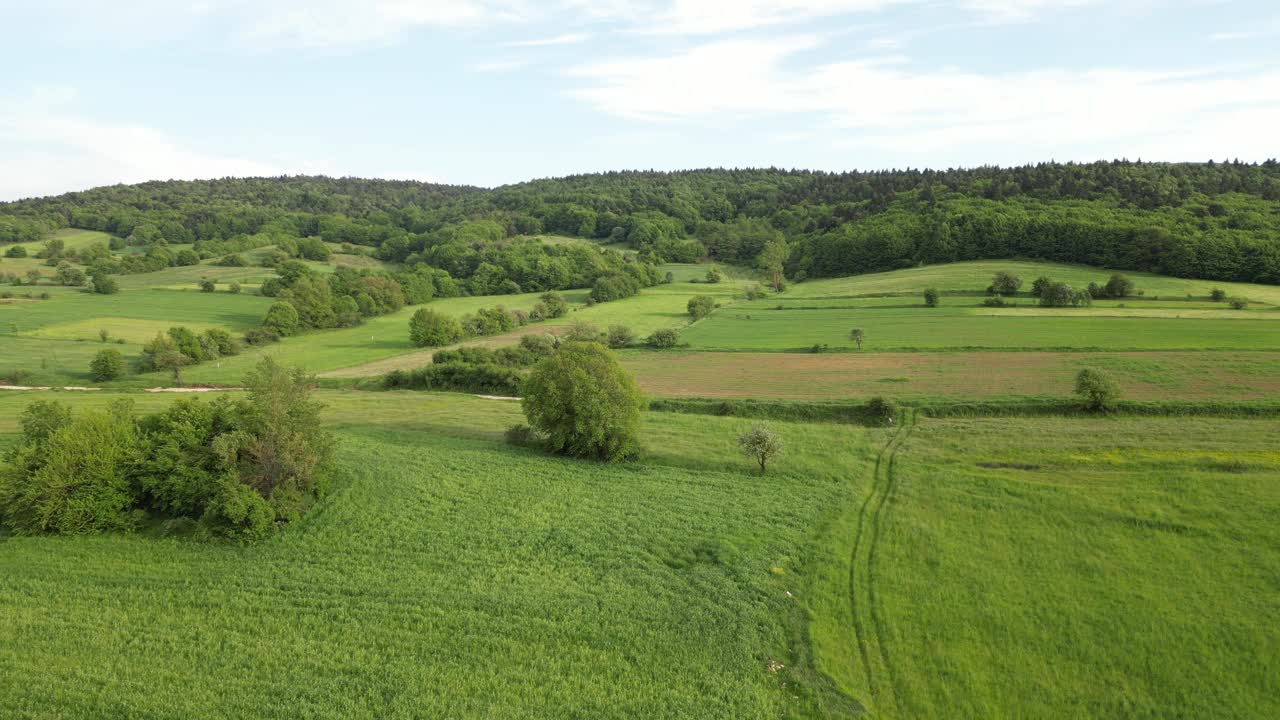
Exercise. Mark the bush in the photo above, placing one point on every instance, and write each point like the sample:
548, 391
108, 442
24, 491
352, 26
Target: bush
234, 288
664, 338
282, 319
1217, 294
585, 403
207, 285
539, 345
1119, 286
428, 328
261, 336
1097, 389
761, 444
881, 411
1004, 283
931, 297
700, 306
1038, 287
16, 251
556, 306
233, 260
614, 287
996, 300
714, 276
104, 284
1238, 304
582, 331
754, 291
487, 378
221, 341
106, 365
522, 435
619, 336
74, 480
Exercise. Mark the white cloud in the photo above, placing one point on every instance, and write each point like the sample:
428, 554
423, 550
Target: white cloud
499, 66
937, 113
339, 23
566, 39
48, 149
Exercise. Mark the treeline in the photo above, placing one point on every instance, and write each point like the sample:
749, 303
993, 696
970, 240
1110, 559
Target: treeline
1210, 220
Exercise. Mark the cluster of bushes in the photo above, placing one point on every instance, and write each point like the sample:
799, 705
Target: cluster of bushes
429, 328
222, 469
181, 346
476, 369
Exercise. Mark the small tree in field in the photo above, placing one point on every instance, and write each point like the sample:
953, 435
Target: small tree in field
584, 403
207, 285
701, 306
171, 359
1097, 389
1005, 283
428, 328
931, 297
761, 444
1217, 294
106, 365
857, 336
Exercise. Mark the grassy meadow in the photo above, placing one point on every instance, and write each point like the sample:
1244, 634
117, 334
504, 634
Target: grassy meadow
959, 568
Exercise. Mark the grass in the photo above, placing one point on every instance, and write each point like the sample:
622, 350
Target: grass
974, 277
447, 576
965, 568
740, 328
953, 375
1060, 568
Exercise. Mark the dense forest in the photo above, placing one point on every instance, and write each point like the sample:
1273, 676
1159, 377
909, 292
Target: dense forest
1210, 220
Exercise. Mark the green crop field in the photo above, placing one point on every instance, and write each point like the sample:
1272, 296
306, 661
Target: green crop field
966, 568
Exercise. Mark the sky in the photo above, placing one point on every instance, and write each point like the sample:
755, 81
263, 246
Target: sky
489, 92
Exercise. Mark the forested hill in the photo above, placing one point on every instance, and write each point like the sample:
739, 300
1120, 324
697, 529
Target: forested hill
1210, 220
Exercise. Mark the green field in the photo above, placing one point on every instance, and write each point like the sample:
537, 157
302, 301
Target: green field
1060, 568
448, 575
958, 568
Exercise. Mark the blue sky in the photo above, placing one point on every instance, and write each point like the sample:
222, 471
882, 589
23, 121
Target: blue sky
489, 92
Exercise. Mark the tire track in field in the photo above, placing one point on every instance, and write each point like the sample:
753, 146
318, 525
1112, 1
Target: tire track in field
873, 503
878, 518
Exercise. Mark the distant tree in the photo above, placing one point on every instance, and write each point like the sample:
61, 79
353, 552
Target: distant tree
1005, 283
620, 336
701, 306
104, 334
282, 318
857, 336
771, 260
1097, 389
931, 297
173, 361
663, 338
713, 276
16, 251
1038, 287
554, 305
106, 365
186, 258
1217, 294
428, 328
1239, 303
33, 276
754, 291
104, 284
1119, 286
584, 403
760, 443
582, 331
207, 285
234, 288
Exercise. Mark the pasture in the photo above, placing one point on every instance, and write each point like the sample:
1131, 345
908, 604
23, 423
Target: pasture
966, 568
